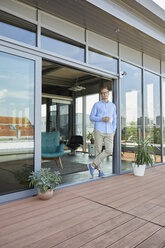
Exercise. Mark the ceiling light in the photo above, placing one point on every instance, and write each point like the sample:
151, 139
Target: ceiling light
77, 88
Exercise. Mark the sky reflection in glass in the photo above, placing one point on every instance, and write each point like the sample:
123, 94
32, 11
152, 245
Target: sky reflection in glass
62, 48
16, 87
102, 61
17, 33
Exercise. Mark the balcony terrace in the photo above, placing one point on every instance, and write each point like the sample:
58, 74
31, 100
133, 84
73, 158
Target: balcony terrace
119, 211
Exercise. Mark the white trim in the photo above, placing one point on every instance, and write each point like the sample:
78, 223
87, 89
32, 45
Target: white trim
65, 98
17, 52
38, 94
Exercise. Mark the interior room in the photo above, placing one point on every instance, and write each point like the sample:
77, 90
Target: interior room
68, 95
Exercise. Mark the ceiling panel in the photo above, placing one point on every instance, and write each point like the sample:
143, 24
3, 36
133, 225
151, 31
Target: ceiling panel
67, 73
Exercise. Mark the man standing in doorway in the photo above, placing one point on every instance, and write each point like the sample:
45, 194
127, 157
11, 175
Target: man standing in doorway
103, 115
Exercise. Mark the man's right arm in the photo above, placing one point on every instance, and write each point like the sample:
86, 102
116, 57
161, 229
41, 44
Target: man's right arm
93, 114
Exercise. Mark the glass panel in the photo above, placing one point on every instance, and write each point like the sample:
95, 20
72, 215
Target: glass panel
17, 29
90, 100
102, 61
163, 115
152, 111
131, 113
53, 118
64, 121
16, 122
63, 48
79, 115
57, 116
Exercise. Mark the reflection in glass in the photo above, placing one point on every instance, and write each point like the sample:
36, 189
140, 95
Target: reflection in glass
163, 115
17, 29
63, 48
16, 122
56, 116
53, 123
79, 115
131, 113
64, 121
152, 111
102, 61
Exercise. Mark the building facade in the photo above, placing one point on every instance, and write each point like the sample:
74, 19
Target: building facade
56, 55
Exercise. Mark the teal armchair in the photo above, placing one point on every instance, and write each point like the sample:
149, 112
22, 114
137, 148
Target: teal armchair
51, 147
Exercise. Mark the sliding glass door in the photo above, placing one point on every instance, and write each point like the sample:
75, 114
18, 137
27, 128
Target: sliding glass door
131, 113
17, 132
152, 111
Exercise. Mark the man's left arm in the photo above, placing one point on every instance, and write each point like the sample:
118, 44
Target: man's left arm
114, 119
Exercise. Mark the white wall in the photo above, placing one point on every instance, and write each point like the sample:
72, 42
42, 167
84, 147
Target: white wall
163, 68
103, 44
130, 54
62, 27
151, 63
18, 9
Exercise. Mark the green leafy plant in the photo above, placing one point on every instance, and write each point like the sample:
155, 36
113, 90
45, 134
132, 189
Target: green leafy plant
44, 179
90, 136
22, 175
144, 152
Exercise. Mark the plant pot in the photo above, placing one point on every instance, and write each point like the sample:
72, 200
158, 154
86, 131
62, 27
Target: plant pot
138, 170
45, 196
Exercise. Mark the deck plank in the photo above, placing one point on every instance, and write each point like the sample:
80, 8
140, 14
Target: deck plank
51, 238
157, 240
135, 237
101, 230
114, 235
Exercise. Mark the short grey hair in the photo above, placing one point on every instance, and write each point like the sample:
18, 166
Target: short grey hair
104, 87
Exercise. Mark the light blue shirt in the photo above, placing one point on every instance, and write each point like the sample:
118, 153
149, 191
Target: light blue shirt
102, 109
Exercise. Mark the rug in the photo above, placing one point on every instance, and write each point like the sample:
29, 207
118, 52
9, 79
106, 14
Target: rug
68, 167
19, 166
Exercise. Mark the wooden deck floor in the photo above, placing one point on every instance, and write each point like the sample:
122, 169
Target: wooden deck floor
117, 212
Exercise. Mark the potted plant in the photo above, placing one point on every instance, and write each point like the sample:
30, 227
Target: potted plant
144, 155
90, 136
45, 181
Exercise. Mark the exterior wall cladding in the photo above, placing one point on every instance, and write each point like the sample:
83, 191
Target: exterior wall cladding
122, 41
